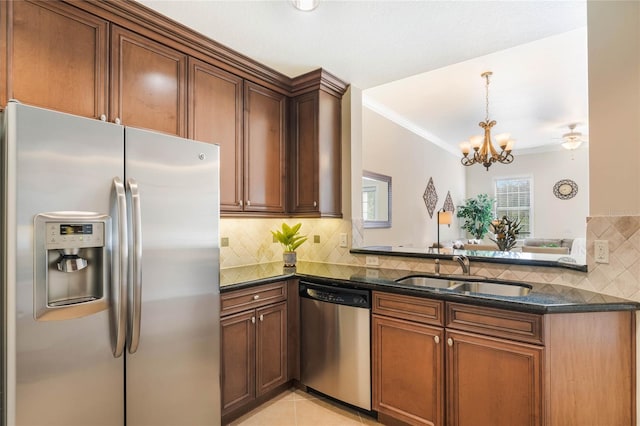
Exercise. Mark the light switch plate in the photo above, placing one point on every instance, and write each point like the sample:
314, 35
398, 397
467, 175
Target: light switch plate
371, 261
343, 240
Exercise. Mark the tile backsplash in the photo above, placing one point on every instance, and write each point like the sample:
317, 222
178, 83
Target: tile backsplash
251, 242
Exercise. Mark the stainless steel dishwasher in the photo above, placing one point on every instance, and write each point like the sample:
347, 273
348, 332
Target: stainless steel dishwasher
335, 328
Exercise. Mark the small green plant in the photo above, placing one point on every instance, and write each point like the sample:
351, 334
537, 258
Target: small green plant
506, 232
289, 237
477, 214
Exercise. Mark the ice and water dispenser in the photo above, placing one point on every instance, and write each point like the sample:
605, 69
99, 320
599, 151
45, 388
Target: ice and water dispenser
72, 264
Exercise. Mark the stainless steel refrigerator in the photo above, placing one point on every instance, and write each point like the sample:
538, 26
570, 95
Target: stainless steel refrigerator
110, 269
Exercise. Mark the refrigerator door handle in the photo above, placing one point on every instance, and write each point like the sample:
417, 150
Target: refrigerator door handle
135, 286
119, 276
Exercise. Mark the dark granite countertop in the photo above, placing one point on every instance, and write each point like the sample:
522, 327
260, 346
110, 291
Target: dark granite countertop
543, 298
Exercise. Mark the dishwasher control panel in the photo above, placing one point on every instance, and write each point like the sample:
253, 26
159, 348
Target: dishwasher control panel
338, 295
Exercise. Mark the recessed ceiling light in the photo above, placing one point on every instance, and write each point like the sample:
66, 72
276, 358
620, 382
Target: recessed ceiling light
305, 5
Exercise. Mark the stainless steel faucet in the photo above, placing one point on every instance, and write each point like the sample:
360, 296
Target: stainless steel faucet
464, 263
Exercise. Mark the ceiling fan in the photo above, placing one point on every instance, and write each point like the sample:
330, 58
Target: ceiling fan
573, 139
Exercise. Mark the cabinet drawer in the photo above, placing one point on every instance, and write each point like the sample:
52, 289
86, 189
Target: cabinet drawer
495, 322
250, 298
412, 308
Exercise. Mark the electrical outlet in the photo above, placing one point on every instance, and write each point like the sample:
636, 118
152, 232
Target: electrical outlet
316, 239
372, 273
343, 240
224, 242
601, 251
372, 261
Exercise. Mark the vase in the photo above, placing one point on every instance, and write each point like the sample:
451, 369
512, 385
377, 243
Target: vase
289, 258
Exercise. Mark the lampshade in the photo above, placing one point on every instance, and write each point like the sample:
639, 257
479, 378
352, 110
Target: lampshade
444, 218
305, 5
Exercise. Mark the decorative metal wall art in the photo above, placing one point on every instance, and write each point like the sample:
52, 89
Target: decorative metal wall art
430, 197
448, 203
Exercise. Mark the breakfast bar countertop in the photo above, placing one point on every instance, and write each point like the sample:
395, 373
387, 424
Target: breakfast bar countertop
542, 298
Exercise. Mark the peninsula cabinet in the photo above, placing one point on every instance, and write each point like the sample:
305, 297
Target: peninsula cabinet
55, 57
500, 367
254, 345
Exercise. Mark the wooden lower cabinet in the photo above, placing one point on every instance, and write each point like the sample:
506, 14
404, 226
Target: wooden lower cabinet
254, 345
501, 367
492, 381
409, 370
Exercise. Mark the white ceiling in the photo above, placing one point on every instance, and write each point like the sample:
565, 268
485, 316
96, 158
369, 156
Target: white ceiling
422, 59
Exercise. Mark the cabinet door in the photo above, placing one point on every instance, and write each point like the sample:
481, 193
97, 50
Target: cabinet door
408, 371
57, 58
237, 369
215, 115
264, 149
492, 381
304, 154
330, 155
271, 347
148, 83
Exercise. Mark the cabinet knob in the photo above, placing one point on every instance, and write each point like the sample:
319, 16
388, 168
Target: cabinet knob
253, 320
240, 203
450, 341
248, 202
315, 204
436, 339
261, 317
256, 296
103, 117
117, 120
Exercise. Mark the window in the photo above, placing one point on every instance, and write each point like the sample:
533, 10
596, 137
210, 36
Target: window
513, 199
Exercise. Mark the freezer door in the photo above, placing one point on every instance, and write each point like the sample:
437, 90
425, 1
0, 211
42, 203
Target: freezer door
172, 376
62, 371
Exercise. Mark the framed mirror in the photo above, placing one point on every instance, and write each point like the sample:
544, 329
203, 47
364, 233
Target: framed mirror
376, 200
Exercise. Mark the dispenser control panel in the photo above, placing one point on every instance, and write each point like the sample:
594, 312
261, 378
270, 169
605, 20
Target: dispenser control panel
74, 235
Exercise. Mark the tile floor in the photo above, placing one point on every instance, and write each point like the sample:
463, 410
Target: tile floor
297, 408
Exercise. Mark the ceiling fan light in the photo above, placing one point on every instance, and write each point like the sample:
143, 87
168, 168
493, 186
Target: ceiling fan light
305, 5
572, 144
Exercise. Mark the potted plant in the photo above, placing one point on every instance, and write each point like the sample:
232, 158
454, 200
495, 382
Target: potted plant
506, 232
290, 239
477, 214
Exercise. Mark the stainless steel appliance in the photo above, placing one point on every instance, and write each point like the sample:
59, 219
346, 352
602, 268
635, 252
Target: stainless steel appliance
335, 342
110, 273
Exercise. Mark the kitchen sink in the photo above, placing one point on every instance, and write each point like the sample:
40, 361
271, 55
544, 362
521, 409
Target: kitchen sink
496, 289
422, 281
475, 286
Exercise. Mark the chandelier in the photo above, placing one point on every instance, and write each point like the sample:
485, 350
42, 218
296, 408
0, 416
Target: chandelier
483, 151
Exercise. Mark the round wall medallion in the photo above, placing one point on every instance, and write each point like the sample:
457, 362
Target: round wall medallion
565, 189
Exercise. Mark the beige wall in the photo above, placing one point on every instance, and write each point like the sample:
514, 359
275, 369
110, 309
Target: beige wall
614, 107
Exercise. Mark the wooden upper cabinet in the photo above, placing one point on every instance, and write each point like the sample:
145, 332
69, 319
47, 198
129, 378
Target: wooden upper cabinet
264, 149
316, 170
215, 115
57, 57
148, 83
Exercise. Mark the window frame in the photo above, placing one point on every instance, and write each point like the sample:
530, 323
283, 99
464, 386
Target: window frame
528, 177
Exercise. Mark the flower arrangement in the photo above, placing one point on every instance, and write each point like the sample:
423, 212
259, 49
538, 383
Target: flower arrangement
506, 232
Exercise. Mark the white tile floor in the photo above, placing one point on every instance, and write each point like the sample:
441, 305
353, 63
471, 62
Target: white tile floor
297, 408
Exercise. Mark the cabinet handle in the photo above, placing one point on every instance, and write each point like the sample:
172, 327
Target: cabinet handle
253, 320
436, 339
256, 296
450, 341
261, 317
248, 202
103, 117
117, 120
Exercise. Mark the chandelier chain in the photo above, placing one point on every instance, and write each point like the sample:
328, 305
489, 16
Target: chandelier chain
486, 99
